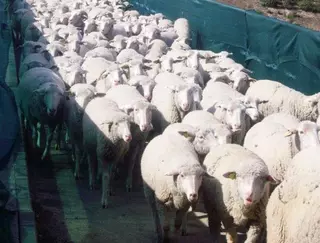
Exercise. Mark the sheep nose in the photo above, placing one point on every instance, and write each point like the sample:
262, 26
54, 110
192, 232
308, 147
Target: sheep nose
236, 127
143, 127
148, 97
185, 106
127, 138
116, 82
193, 197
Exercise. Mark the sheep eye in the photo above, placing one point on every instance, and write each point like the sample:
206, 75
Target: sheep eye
301, 132
181, 175
201, 137
229, 110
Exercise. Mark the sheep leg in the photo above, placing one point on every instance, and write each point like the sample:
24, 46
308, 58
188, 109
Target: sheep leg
34, 134
48, 142
181, 220
78, 155
59, 134
107, 169
213, 219
132, 161
254, 232
232, 237
92, 162
168, 216
40, 135
151, 199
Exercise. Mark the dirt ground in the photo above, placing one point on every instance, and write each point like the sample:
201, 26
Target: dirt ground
299, 17
68, 212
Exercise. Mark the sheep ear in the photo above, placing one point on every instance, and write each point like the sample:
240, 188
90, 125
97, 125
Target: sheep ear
260, 101
127, 108
46, 55
271, 179
174, 88
313, 99
290, 132
69, 93
186, 134
230, 175
110, 126
173, 172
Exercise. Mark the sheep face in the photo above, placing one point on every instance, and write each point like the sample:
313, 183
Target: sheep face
115, 77
193, 61
240, 81
251, 105
53, 97
142, 115
167, 64
306, 134
106, 26
207, 138
121, 129
251, 186
188, 181
235, 116
74, 46
76, 77
184, 97
146, 88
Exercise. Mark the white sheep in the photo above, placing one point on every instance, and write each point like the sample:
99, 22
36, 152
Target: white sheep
277, 145
109, 79
288, 121
106, 139
293, 209
80, 95
284, 99
181, 26
104, 52
237, 192
144, 84
173, 102
95, 67
135, 105
42, 96
171, 175
218, 92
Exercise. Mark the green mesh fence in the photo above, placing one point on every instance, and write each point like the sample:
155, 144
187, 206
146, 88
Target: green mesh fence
273, 49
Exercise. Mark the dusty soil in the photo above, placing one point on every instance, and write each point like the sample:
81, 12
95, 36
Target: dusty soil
295, 16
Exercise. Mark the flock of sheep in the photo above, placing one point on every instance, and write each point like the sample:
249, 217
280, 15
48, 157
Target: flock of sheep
129, 89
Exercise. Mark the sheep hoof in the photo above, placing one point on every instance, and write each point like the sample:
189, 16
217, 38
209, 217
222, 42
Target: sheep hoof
57, 147
77, 176
183, 232
129, 189
112, 193
91, 187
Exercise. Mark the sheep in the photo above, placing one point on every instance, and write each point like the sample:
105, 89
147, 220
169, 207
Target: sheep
171, 176
288, 121
128, 55
144, 84
173, 102
200, 118
106, 53
284, 99
237, 191
80, 94
241, 80
72, 75
55, 48
277, 145
218, 92
293, 210
181, 26
210, 131
29, 47
106, 139
306, 161
109, 79
95, 67
156, 49
233, 114
41, 59
135, 105
42, 96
